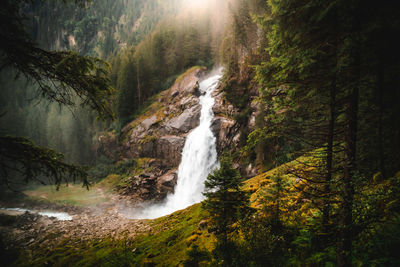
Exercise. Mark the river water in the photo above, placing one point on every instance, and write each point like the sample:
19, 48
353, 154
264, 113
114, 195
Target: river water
61, 216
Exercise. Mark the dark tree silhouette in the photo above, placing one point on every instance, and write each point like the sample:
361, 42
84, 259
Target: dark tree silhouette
60, 76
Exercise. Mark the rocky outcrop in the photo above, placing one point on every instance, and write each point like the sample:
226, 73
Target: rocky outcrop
221, 106
188, 83
225, 127
161, 133
188, 120
154, 185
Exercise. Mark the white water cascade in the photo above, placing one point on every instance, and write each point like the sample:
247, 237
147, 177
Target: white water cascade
199, 158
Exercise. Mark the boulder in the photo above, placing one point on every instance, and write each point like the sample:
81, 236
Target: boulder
188, 120
187, 102
147, 123
166, 183
141, 187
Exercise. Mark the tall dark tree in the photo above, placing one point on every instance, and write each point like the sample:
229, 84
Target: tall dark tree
300, 75
325, 68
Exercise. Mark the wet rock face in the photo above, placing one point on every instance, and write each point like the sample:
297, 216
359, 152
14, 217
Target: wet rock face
226, 132
170, 148
162, 134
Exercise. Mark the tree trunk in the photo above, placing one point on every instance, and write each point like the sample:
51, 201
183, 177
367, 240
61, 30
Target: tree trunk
346, 223
331, 132
351, 83
329, 160
380, 117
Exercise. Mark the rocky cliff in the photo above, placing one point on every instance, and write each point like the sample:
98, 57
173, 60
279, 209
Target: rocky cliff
160, 134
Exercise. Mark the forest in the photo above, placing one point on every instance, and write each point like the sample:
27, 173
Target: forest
199, 133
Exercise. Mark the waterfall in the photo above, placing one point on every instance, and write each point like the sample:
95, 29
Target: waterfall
199, 158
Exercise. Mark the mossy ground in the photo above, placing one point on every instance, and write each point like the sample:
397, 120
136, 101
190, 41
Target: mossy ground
172, 236
165, 245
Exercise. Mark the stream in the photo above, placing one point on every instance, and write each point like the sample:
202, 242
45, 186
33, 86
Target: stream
61, 216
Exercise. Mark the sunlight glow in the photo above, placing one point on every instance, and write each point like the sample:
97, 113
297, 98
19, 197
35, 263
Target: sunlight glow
196, 4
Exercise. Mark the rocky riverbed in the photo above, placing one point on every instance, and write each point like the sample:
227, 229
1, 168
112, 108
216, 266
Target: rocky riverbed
29, 231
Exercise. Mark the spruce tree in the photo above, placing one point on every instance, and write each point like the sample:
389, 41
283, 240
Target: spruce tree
227, 204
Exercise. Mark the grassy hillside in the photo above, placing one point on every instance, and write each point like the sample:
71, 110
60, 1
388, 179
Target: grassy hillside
174, 237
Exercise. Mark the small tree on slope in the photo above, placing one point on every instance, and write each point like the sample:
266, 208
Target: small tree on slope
227, 205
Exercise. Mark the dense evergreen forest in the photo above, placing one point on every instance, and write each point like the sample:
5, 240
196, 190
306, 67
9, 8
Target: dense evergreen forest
311, 88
